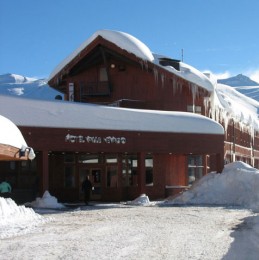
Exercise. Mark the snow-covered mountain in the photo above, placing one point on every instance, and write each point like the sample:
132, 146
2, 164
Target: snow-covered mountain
239, 80
244, 85
17, 85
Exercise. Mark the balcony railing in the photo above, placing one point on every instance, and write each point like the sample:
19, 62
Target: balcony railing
101, 88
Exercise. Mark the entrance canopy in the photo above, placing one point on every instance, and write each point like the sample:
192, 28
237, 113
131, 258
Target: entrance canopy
12, 143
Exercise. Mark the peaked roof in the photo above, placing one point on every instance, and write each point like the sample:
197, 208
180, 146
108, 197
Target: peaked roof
134, 46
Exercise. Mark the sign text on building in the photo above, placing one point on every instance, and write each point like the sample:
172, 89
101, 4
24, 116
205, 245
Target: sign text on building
94, 139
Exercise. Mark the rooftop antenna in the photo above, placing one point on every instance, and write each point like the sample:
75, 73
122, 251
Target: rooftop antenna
182, 55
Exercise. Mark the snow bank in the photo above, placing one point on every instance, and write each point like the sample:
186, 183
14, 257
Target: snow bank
15, 220
47, 201
237, 185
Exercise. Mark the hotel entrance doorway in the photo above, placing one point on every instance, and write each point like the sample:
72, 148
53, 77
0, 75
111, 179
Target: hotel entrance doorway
95, 176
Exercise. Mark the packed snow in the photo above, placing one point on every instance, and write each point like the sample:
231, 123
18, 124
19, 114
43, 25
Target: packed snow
216, 219
10, 134
62, 114
47, 201
17, 220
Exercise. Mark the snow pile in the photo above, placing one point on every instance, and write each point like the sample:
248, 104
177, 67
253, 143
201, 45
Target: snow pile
142, 200
16, 220
47, 201
237, 185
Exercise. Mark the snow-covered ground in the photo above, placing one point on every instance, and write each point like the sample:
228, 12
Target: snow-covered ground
216, 219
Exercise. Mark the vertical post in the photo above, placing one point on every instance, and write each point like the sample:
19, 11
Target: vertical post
142, 173
220, 162
45, 171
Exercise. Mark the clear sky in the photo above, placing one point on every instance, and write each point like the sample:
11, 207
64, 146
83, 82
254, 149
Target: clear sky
220, 36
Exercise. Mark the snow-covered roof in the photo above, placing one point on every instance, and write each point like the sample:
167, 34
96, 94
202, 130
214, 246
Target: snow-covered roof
131, 44
187, 72
64, 114
238, 106
10, 134
121, 39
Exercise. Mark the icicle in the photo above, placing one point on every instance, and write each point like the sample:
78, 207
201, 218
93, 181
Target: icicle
155, 71
162, 79
144, 64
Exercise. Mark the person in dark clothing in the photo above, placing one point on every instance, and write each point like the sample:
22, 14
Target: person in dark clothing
87, 189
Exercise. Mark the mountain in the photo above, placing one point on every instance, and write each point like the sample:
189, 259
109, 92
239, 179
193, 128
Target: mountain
17, 85
238, 81
244, 85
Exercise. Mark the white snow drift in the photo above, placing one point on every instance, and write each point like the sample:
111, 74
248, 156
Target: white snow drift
237, 185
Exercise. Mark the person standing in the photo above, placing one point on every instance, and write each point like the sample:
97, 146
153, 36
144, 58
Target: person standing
87, 189
5, 189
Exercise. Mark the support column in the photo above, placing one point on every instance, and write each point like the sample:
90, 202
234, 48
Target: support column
45, 171
142, 173
220, 162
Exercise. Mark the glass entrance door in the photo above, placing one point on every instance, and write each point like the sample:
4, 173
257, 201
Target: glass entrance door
95, 176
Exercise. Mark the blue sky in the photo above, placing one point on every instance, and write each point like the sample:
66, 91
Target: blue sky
220, 36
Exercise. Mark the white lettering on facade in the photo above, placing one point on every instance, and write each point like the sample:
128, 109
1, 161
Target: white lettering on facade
94, 139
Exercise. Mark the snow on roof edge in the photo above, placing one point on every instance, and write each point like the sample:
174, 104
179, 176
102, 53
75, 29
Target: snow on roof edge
64, 114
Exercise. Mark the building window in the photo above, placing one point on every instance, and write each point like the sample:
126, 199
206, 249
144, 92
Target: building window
111, 158
129, 170
111, 161
69, 178
149, 170
194, 109
112, 176
103, 76
69, 158
195, 168
89, 158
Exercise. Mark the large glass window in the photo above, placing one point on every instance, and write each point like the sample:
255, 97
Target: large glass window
111, 170
149, 170
112, 176
195, 168
129, 170
69, 177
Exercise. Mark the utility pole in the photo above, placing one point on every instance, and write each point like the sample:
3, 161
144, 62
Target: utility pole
182, 55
